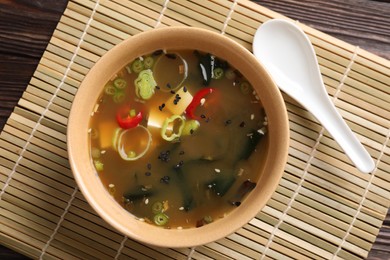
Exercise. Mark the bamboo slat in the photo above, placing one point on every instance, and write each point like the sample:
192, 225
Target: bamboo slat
323, 207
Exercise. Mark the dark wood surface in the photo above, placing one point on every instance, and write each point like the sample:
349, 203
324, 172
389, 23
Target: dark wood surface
26, 27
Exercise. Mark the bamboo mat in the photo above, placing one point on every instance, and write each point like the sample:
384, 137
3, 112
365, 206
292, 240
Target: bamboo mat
323, 207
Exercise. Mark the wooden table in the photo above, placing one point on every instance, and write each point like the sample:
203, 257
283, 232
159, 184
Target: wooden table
26, 27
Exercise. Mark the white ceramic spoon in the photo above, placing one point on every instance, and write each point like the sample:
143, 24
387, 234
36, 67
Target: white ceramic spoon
286, 52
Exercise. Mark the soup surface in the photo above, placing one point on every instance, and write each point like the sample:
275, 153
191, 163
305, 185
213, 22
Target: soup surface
178, 138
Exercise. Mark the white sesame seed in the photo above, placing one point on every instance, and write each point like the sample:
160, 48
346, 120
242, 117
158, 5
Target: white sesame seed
202, 101
180, 228
111, 185
217, 170
102, 151
252, 116
181, 208
146, 201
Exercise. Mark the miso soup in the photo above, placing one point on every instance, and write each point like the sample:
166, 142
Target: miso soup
178, 138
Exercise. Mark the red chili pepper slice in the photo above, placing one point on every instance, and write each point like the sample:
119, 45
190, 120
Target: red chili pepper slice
125, 120
190, 110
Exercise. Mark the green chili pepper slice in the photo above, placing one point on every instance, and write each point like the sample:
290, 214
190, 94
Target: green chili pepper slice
118, 97
230, 74
190, 127
218, 73
99, 166
245, 87
109, 89
145, 84
120, 83
165, 125
161, 219
148, 62
157, 207
137, 66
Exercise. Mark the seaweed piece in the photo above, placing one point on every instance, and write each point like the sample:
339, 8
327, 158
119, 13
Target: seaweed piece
221, 184
188, 198
206, 65
246, 187
138, 193
249, 145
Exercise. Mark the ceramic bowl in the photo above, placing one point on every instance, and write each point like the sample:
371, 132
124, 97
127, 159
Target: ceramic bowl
176, 38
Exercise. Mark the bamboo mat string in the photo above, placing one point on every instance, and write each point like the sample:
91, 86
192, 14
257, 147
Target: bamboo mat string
62, 218
228, 17
161, 16
192, 251
122, 245
364, 197
42, 116
309, 162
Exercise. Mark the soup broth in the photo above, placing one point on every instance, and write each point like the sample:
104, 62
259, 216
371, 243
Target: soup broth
178, 138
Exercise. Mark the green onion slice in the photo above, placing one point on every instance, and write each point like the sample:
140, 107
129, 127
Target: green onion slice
119, 97
157, 207
148, 62
218, 73
161, 219
245, 87
145, 84
109, 89
120, 83
137, 66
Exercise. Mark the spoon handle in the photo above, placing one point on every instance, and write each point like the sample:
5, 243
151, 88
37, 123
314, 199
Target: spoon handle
329, 117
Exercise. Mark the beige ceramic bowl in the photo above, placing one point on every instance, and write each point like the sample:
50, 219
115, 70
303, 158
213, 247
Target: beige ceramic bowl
176, 38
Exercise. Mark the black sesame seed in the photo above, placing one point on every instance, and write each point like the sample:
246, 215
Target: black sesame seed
171, 56
149, 166
157, 87
172, 92
169, 85
161, 107
181, 152
165, 179
242, 124
202, 116
148, 173
236, 203
228, 122
185, 89
180, 164
191, 131
164, 156
158, 52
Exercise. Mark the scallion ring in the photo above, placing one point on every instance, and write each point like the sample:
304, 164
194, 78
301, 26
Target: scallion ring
161, 219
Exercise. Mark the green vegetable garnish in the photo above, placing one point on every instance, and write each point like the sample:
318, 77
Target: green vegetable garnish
230, 74
120, 83
109, 89
218, 73
148, 62
137, 66
245, 87
157, 207
173, 135
145, 84
190, 127
161, 219
99, 166
119, 97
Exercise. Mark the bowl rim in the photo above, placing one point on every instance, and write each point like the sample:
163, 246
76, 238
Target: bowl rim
77, 132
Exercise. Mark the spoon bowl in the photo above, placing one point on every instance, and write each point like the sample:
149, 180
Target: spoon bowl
288, 55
